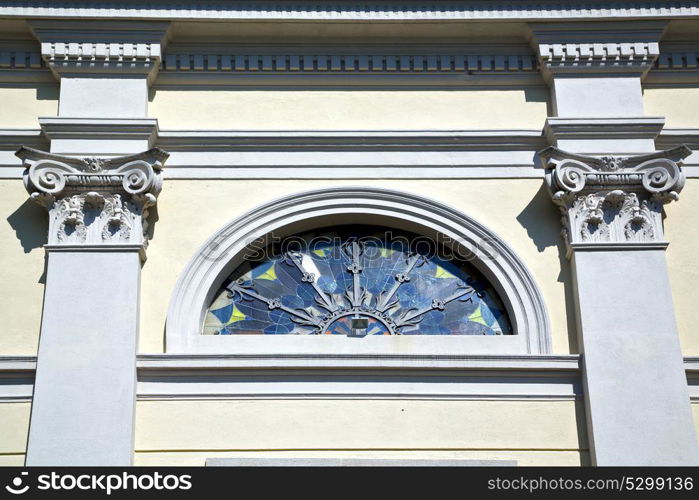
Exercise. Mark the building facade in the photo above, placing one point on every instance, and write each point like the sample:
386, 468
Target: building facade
341, 232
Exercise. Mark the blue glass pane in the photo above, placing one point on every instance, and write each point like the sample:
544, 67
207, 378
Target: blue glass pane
327, 278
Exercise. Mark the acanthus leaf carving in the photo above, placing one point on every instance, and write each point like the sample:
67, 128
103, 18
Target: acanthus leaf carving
94, 201
613, 199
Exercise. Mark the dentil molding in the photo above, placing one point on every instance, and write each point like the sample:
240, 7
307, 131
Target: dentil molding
436, 10
613, 200
71, 48
591, 48
95, 203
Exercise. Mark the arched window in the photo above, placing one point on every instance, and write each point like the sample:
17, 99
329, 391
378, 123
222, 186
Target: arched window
311, 273
357, 280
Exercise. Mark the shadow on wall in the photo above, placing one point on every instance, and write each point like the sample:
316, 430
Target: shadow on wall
583, 441
31, 227
47, 92
153, 217
539, 94
541, 219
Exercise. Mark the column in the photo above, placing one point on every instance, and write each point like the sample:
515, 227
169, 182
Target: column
611, 186
97, 184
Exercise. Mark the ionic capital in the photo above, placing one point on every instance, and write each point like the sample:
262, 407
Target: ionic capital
613, 200
95, 202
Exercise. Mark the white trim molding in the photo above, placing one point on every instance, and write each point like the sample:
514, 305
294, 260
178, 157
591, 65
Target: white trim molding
197, 376
691, 365
168, 377
354, 462
223, 252
367, 11
344, 154
17, 378
602, 135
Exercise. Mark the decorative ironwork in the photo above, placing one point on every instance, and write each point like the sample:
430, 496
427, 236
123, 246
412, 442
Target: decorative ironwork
356, 296
328, 291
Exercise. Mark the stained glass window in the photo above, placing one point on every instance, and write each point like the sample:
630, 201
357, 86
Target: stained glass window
356, 281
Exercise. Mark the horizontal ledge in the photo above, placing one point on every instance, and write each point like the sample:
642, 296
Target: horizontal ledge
557, 128
94, 248
348, 361
136, 248
355, 79
190, 140
611, 246
380, 11
195, 377
571, 362
353, 462
352, 172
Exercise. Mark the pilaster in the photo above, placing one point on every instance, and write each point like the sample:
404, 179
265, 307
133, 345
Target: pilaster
611, 185
637, 401
85, 388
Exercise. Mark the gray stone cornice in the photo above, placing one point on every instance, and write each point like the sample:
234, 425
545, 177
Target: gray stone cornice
97, 47
355, 11
613, 200
95, 202
122, 129
603, 128
589, 48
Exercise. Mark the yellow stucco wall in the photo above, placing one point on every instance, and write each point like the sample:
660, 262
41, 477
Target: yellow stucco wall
23, 231
21, 106
15, 427
520, 211
187, 432
347, 110
517, 210
679, 106
682, 231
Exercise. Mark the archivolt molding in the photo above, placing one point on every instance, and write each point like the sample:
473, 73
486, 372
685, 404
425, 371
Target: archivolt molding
94, 201
613, 199
216, 259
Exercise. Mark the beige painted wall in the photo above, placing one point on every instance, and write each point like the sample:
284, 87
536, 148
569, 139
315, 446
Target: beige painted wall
520, 211
347, 110
15, 428
679, 106
682, 231
517, 210
22, 106
23, 231
532, 432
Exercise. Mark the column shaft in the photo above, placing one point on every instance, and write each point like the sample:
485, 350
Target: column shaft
635, 386
85, 389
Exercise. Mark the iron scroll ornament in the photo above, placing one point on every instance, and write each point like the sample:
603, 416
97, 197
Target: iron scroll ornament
388, 290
